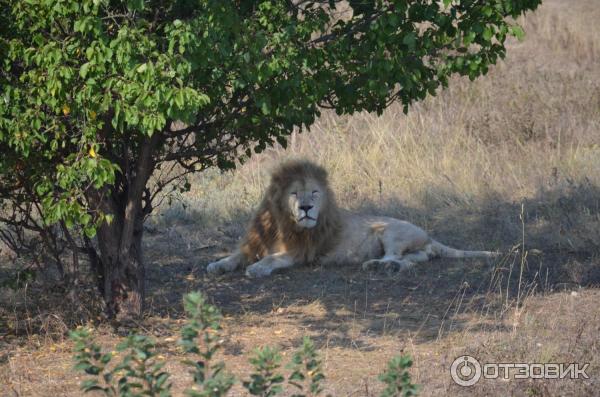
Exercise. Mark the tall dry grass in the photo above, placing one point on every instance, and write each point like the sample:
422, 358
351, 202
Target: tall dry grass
462, 163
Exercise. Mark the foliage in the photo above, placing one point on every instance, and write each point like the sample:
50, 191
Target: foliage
265, 381
397, 378
139, 372
306, 368
200, 336
78, 95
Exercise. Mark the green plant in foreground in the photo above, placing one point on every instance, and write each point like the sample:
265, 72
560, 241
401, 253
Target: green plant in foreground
397, 378
200, 336
306, 367
265, 381
139, 373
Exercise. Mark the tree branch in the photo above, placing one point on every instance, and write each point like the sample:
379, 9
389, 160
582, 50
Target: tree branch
143, 171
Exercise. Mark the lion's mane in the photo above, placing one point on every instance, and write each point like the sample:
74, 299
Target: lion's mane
273, 229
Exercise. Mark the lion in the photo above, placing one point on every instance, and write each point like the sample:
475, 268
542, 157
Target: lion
298, 222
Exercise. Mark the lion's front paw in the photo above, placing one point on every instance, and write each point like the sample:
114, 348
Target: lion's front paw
388, 266
214, 268
372, 265
224, 265
258, 270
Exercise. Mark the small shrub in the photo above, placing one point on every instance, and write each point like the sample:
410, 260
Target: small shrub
397, 378
306, 368
265, 381
139, 372
200, 336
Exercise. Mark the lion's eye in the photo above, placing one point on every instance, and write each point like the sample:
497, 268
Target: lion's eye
293, 194
315, 192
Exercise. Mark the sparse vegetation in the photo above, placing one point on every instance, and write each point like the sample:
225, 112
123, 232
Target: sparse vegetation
140, 373
397, 378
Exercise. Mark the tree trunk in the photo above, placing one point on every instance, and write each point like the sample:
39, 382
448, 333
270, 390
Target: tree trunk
123, 272
119, 265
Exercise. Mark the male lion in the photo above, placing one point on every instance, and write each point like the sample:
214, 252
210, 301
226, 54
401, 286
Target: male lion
298, 222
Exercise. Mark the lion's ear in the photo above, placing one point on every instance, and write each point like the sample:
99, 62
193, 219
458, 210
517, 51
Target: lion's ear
278, 180
321, 175
274, 191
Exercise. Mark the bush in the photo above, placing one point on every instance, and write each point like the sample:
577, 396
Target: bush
139, 373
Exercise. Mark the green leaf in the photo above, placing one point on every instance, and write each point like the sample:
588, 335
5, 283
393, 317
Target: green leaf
180, 99
84, 69
89, 231
135, 5
265, 107
487, 34
410, 40
518, 32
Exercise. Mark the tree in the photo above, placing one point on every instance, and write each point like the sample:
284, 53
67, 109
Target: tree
106, 105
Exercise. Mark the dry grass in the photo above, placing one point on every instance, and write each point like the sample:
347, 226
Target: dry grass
528, 132
509, 162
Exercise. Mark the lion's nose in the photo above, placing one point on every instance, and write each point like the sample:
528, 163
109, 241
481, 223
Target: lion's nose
305, 208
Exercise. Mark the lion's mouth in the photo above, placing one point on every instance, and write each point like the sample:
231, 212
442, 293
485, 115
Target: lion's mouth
307, 217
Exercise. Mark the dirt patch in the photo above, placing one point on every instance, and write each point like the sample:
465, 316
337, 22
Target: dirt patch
358, 320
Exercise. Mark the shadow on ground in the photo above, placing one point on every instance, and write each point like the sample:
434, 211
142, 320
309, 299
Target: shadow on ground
429, 301
436, 312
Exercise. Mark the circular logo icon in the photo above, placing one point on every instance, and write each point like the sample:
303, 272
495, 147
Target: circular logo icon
465, 371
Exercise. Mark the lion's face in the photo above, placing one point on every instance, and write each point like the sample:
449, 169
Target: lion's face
304, 200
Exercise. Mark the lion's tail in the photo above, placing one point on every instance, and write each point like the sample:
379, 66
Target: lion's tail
441, 250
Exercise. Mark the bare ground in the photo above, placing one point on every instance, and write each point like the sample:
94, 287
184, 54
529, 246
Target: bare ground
435, 313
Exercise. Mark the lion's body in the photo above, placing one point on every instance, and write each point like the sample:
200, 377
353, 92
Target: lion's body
298, 222
363, 237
